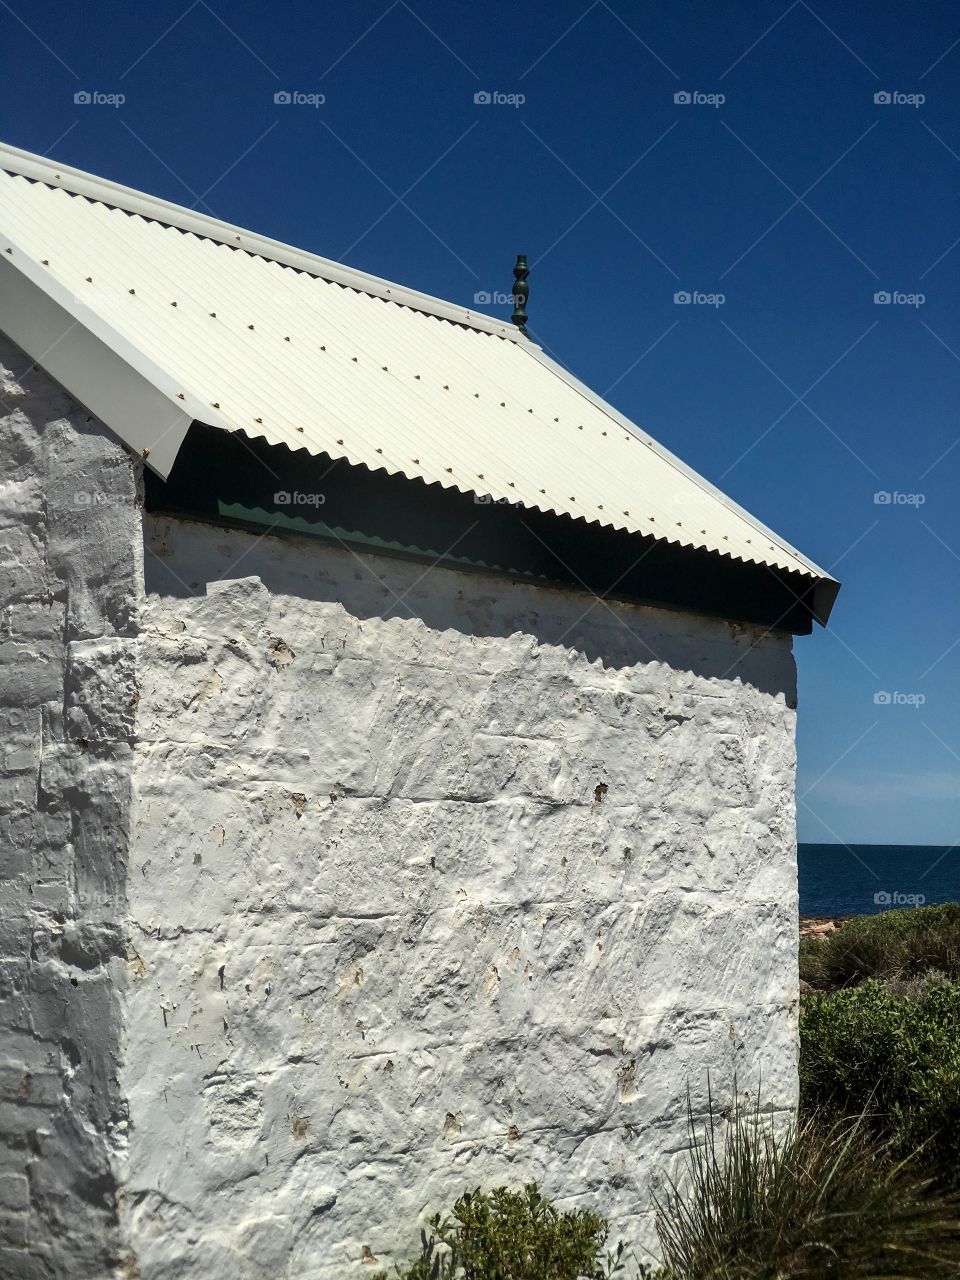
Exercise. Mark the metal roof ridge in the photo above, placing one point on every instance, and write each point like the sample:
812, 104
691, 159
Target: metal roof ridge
37, 168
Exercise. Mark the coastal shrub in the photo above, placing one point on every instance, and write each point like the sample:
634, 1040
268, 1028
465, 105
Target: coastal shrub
893, 1055
514, 1235
895, 944
819, 1199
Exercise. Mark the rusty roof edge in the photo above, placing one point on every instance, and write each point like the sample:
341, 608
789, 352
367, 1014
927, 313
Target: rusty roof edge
78, 182
827, 599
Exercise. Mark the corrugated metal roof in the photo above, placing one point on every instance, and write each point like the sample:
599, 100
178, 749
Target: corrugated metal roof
273, 342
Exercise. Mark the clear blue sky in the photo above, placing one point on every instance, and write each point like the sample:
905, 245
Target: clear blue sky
798, 198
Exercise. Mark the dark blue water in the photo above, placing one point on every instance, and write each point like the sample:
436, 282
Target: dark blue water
862, 879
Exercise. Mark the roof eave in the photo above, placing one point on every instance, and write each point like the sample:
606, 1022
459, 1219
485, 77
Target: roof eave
116, 385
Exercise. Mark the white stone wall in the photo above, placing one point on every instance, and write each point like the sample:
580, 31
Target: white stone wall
332, 886
70, 584
436, 880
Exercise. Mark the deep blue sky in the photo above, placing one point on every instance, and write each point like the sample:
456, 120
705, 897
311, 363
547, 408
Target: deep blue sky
798, 198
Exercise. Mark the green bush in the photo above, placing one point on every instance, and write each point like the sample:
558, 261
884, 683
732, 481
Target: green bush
817, 1200
514, 1235
896, 1056
895, 944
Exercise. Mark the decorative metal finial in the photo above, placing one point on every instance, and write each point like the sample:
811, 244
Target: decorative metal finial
521, 291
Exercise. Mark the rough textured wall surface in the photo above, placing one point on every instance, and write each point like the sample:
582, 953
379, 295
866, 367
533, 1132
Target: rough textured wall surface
439, 880
332, 886
70, 582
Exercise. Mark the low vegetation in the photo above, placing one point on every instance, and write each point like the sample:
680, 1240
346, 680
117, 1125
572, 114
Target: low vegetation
513, 1235
891, 1048
818, 1200
895, 945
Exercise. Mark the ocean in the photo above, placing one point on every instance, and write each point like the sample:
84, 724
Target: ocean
862, 879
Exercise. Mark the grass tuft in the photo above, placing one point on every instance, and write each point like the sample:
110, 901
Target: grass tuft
819, 1199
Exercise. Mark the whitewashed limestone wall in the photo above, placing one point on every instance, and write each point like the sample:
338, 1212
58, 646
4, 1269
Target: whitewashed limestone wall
437, 880
70, 585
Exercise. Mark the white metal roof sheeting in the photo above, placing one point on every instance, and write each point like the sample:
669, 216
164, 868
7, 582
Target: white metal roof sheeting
273, 342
